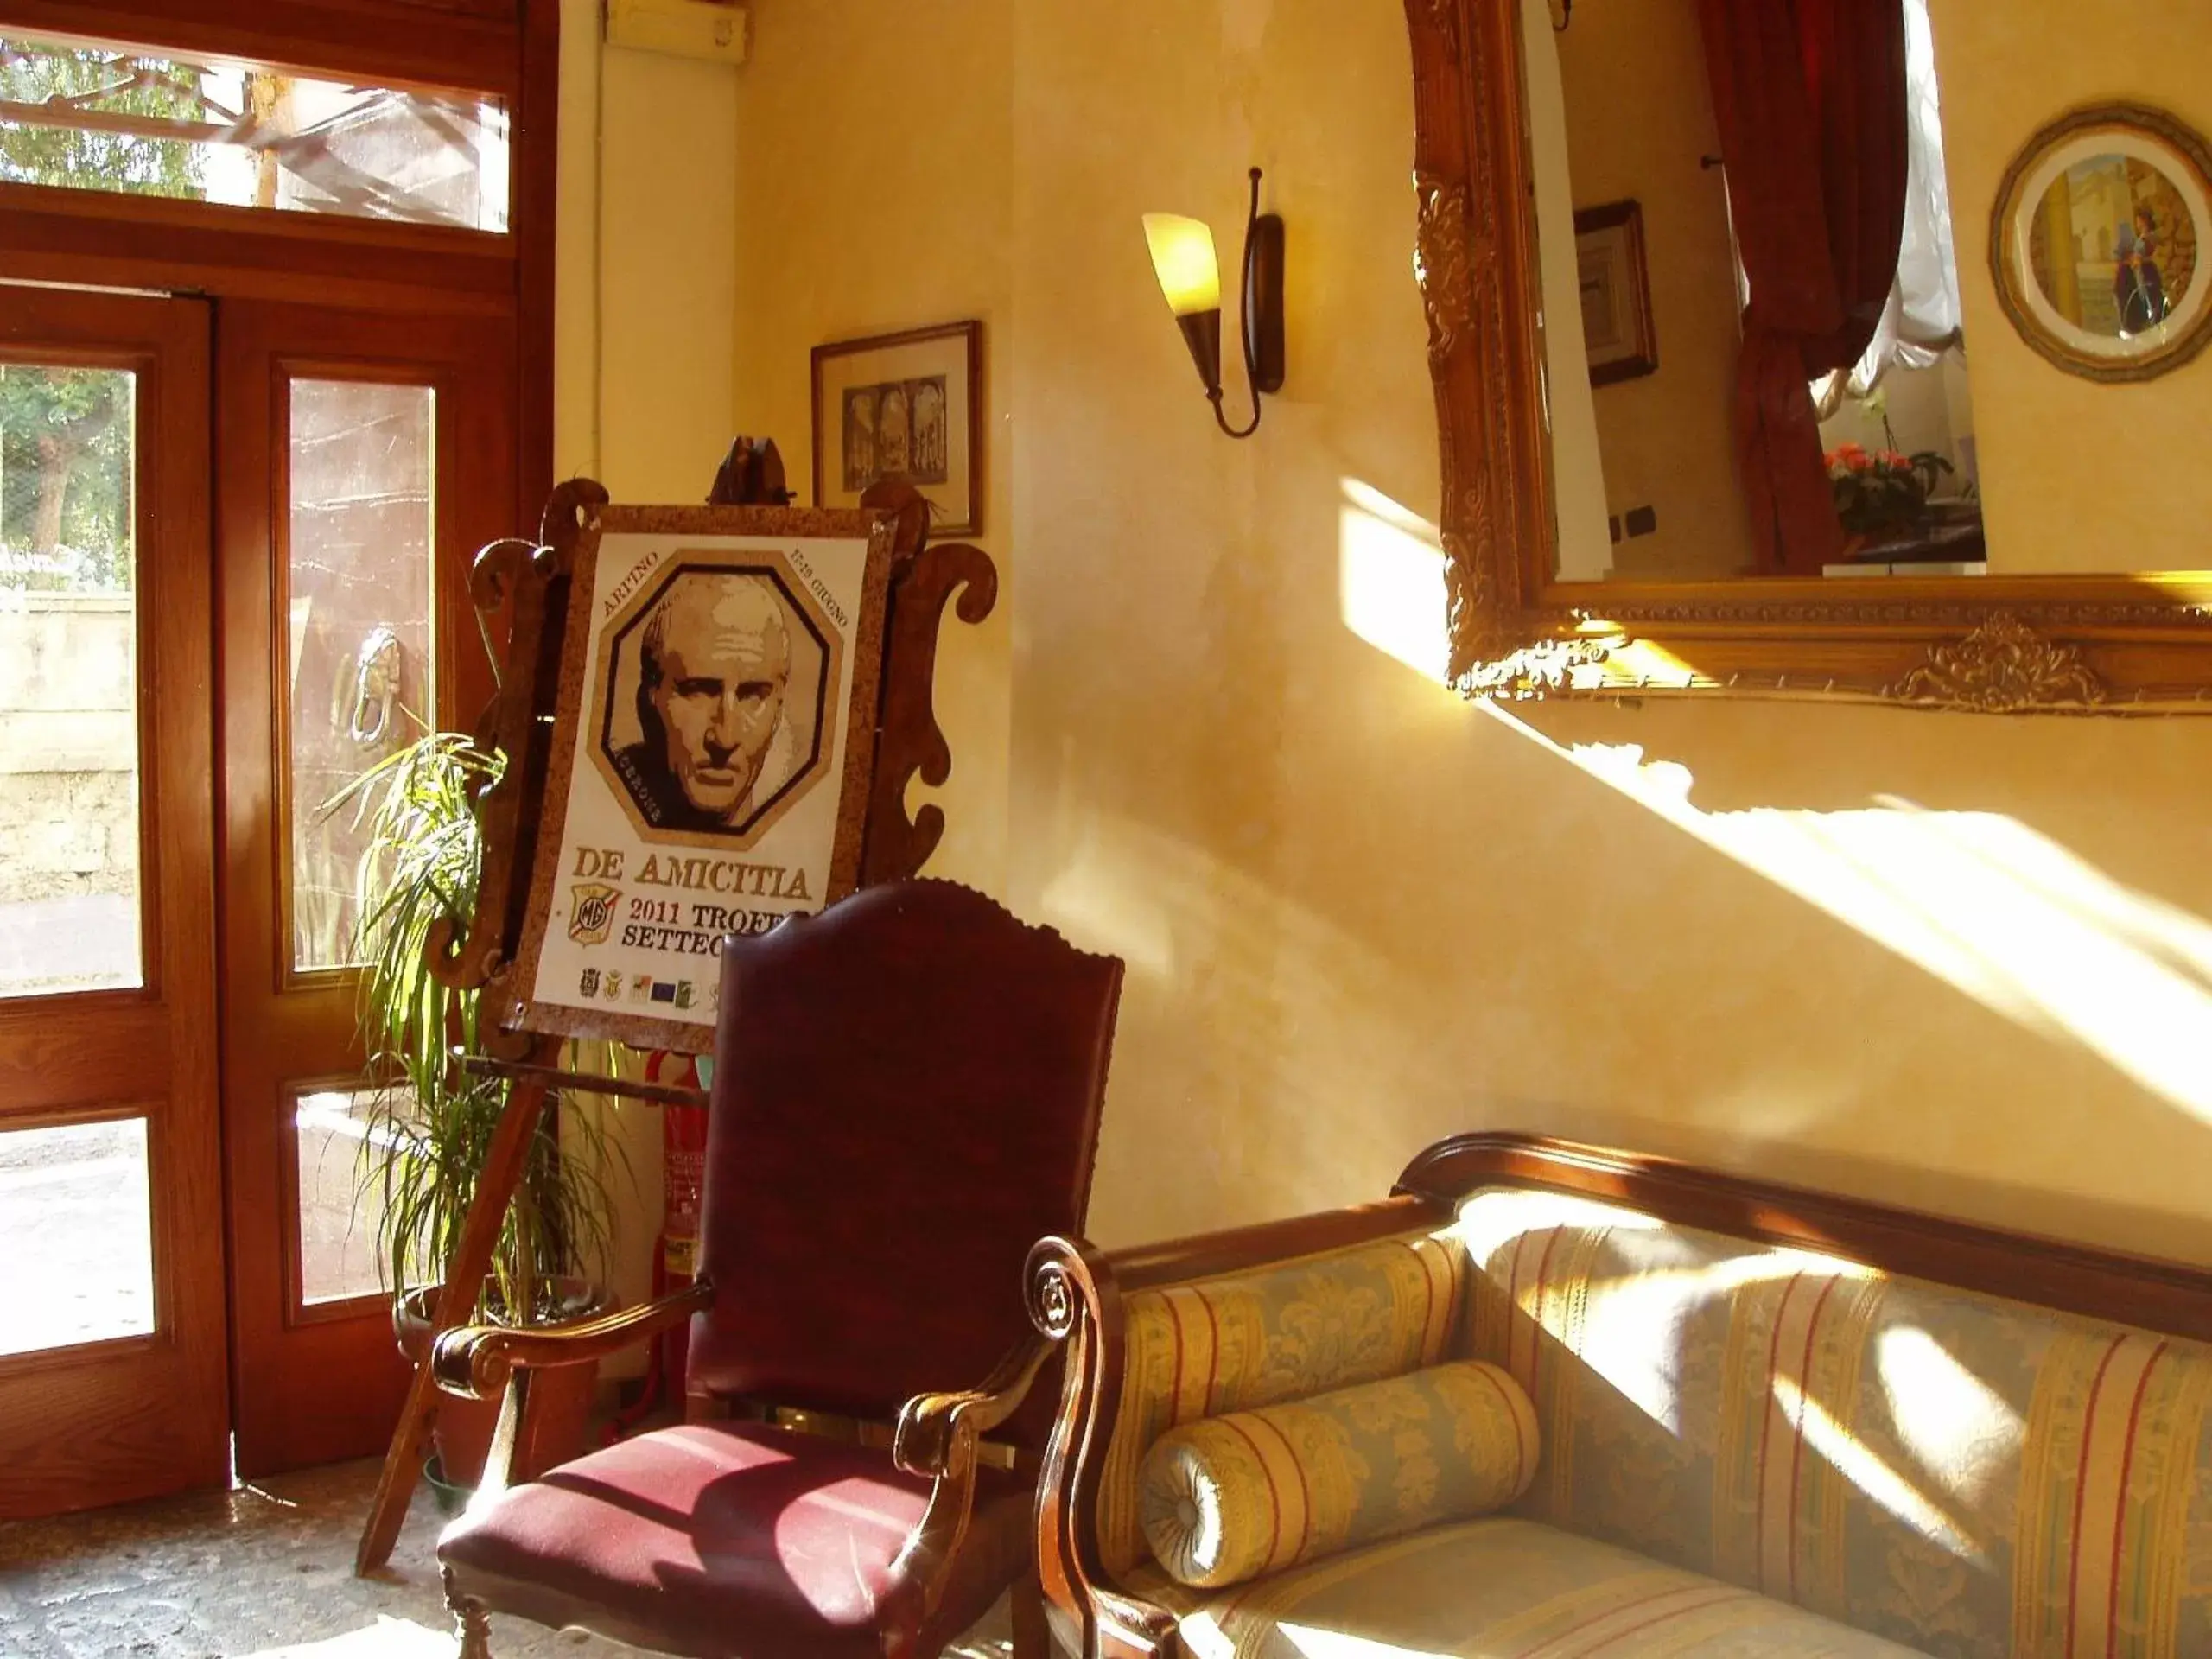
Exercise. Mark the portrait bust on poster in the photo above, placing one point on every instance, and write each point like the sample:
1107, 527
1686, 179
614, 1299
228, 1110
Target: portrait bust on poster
712, 750
715, 683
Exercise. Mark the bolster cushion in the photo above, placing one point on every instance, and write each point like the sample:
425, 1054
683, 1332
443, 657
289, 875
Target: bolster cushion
1230, 1499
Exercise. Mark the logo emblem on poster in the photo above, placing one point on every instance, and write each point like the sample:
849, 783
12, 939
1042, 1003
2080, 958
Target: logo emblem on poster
591, 917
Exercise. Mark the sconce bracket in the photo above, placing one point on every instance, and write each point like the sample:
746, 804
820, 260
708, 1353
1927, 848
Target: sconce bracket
1263, 347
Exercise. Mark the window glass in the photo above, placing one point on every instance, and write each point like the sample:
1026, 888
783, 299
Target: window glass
94, 117
360, 643
76, 1230
335, 1129
69, 830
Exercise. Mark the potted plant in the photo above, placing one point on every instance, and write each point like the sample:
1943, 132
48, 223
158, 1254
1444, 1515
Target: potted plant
1881, 493
432, 1123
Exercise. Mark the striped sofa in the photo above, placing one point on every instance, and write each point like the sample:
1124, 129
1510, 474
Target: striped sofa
1784, 1435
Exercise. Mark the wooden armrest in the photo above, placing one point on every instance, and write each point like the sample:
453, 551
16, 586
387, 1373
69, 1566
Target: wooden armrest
937, 1437
937, 1433
474, 1360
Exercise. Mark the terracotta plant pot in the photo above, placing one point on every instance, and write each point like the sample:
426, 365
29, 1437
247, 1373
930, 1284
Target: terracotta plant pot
560, 1398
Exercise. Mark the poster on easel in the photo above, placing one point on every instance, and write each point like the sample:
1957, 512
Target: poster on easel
713, 752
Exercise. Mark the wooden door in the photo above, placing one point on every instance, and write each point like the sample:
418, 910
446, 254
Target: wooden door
112, 1318
362, 459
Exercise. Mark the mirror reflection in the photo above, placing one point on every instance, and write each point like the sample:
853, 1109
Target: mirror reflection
1755, 349
2113, 251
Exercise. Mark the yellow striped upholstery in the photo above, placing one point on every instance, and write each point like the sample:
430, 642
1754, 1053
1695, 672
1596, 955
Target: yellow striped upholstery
1228, 1498
1498, 1588
1965, 1475
1242, 1341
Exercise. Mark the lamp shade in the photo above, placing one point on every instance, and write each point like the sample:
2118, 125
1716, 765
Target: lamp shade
1183, 258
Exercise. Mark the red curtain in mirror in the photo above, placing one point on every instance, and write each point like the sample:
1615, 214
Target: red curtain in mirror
1810, 98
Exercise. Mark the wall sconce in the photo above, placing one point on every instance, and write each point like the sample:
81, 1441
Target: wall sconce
1183, 259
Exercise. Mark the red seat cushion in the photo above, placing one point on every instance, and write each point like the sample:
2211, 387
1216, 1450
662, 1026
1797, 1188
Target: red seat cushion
726, 1538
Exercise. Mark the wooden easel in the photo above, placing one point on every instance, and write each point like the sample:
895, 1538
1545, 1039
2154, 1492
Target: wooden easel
531, 583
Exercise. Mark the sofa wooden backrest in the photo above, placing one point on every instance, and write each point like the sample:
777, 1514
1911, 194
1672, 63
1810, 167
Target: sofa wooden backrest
1076, 1291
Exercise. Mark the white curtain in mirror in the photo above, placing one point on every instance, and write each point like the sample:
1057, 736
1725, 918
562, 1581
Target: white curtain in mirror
1921, 321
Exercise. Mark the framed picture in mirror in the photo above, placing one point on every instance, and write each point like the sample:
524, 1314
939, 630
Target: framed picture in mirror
2098, 240
1617, 331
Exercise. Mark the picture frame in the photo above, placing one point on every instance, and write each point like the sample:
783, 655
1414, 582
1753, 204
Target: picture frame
713, 754
2098, 243
1615, 281
908, 403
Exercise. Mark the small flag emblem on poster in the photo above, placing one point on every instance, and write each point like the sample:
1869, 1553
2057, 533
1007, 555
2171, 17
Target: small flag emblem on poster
683, 993
591, 914
664, 990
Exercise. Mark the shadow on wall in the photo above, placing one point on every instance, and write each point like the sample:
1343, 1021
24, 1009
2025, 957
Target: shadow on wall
1852, 958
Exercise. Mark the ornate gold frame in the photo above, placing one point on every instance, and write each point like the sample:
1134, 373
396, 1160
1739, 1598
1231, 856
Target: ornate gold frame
2186, 152
2071, 645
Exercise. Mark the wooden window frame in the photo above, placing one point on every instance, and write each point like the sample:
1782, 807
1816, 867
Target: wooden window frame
506, 48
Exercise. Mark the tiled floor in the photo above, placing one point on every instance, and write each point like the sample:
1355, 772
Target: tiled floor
218, 1575
224, 1575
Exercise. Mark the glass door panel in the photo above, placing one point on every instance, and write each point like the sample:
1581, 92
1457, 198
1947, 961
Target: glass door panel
337, 1129
112, 1380
361, 656
76, 1215
69, 822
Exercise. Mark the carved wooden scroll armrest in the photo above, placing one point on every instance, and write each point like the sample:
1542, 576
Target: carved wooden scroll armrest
938, 1436
1074, 1300
474, 1360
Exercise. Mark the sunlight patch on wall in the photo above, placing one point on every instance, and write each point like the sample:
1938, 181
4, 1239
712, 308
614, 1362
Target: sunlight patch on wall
1095, 897
1981, 901
1390, 580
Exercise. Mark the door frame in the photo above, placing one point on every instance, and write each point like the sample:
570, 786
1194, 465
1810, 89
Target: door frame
314, 1383
442, 277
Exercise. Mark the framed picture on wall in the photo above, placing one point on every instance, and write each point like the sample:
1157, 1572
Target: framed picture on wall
906, 404
1616, 287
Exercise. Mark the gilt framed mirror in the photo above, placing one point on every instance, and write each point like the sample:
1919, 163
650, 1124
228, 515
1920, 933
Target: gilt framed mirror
1849, 474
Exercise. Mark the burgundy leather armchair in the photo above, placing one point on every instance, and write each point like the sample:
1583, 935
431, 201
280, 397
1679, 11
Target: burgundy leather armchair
907, 1094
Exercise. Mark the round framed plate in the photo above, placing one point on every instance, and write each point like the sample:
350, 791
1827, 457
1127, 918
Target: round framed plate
2103, 226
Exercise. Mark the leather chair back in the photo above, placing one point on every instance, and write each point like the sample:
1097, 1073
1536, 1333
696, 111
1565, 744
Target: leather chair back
906, 1097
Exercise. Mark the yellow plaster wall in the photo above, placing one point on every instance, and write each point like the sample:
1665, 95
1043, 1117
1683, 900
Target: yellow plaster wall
1942, 961
645, 285
872, 168
2054, 499
645, 268
1955, 962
